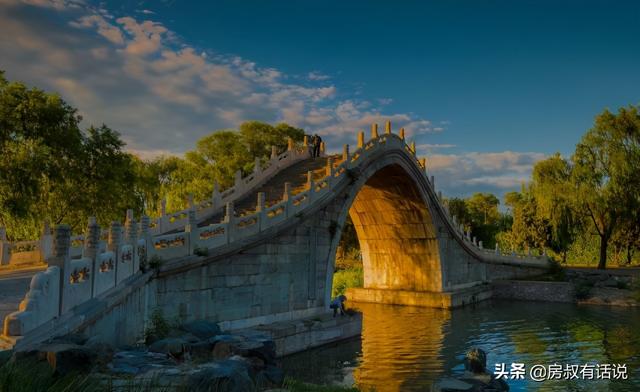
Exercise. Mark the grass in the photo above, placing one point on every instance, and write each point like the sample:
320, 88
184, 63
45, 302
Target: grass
299, 386
30, 376
34, 376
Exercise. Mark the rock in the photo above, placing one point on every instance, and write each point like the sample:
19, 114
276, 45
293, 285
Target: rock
191, 338
475, 361
202, 329
266, 351
69, 358
202, 349
274, 374
137, 362
175, 347
227, 376
484, 382
611, 282
104, 351
244, 348
221, 350
223, 345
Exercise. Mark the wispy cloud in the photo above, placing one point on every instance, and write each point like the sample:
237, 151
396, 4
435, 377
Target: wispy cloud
315, 75
161, 93
496, 172
134, 74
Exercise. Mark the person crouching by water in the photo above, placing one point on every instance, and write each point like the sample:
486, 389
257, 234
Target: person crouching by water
338, 303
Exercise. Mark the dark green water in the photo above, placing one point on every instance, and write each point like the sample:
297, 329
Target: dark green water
407, 348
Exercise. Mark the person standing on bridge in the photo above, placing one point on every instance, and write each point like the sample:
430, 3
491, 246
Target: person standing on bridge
316, 145
338, 303
314, 142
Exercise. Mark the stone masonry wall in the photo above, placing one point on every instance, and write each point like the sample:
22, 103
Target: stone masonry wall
534, 291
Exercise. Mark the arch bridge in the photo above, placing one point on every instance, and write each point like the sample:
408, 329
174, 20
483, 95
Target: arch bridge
264, 250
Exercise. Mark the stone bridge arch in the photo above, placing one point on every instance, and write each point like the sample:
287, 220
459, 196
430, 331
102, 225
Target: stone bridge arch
390, 205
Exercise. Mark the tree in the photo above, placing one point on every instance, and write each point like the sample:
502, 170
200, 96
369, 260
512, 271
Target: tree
551, 190
605, 178
480, 215
529, 229
216, 158
51, 170
258, 137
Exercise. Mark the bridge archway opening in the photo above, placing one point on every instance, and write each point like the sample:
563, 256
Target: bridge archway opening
396, 234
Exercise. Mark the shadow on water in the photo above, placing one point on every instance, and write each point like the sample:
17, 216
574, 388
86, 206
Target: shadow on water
407, 348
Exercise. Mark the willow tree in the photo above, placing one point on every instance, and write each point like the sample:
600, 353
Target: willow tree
551, 188
606, 174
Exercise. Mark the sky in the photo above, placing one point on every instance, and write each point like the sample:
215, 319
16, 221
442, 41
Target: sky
484, 88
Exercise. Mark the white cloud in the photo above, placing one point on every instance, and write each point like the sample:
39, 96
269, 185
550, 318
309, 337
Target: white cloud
315, 75
497, 172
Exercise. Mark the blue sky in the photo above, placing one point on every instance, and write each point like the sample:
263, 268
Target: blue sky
486, 88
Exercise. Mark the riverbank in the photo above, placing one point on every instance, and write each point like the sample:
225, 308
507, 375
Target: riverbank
192, 356
615, 287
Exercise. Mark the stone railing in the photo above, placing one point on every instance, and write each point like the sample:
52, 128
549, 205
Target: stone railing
25, 252
69, 282
242, 187
103, 265
233, 228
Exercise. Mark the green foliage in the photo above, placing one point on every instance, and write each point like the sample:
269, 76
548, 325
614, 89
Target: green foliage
579, 208
216, 158
201, 252
158, 328
344, 279
28, 376
606, 175
479, 214
347, 258
51, 170
551, 190
155, 262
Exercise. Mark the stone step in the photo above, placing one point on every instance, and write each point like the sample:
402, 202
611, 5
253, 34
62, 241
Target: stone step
274, 188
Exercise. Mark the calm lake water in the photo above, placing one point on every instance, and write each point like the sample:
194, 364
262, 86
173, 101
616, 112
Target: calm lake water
406, 348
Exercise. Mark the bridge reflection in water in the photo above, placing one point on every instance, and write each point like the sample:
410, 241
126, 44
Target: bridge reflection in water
400, 345
406, 348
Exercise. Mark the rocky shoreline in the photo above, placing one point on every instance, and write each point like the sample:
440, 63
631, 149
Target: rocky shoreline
197, 356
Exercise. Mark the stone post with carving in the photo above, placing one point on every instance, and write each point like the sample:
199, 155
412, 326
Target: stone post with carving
91, 250
144, 247
61, 258
131, 238
191, 230
114, 243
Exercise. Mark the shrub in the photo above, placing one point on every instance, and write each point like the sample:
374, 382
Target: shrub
155, 262
342, 280
158, 327
201, 252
